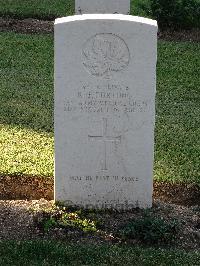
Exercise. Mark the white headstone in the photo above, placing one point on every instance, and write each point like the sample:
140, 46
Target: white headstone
102, 6
105, 80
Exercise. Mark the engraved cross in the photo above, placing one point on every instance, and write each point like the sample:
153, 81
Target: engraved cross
105, 138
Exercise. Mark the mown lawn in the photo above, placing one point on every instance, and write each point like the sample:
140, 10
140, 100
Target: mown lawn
55, 253
26, 113
26, 97
50, 9
177, 142
41, 9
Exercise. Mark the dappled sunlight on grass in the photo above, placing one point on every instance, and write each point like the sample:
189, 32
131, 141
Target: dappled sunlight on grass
24, 151
26, 113
26, 99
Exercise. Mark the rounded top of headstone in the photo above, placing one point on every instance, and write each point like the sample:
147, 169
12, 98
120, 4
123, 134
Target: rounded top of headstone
118, 17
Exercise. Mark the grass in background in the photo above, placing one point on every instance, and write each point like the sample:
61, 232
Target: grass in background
40, 9
55, 253
51, 9
26, 98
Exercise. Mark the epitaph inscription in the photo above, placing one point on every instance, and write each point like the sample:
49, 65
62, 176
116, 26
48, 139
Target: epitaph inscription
105, 54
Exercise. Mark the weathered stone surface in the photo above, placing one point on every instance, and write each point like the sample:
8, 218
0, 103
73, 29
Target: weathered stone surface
105, 79
102, 6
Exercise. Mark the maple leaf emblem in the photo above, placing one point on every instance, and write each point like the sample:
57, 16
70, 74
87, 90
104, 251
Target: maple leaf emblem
104, 54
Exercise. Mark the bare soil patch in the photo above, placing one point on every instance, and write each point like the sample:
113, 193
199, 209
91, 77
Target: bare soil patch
181, 194
192, 35
34, 188
31, 25
26, 188
19, 220
26, 25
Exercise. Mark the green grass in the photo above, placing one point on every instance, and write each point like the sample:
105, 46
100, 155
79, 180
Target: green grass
41, 9
55, 253
178, 112
26, 97
26, 113
50, 9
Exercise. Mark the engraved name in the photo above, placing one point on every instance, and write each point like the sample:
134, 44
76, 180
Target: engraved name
116, 99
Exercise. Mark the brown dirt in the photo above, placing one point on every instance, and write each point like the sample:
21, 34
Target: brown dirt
26, 187
22, 220
26, 25
181, 194
192, 35
39, 26
34, 188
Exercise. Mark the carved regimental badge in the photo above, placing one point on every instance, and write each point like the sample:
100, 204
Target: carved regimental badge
104, 54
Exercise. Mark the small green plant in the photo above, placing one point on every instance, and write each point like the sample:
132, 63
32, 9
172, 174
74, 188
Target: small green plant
49, 223
73, 220
60, 217
151, 230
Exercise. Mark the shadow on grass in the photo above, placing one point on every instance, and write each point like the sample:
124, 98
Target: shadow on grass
26, 98
58, 253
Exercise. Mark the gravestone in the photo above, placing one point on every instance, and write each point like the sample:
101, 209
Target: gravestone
102, 6
105, 80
